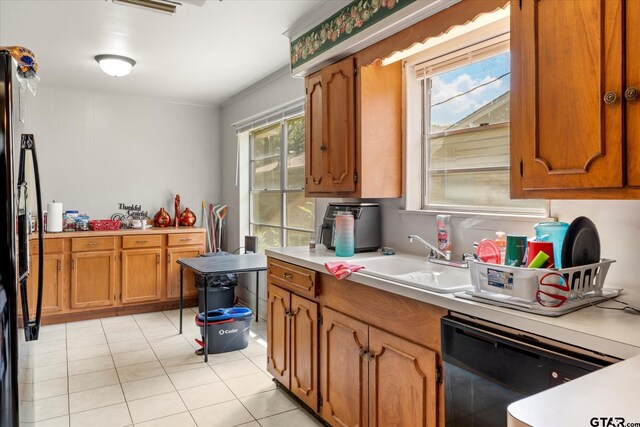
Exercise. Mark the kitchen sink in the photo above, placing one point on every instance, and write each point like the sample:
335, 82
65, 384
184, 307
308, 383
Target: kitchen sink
417, 272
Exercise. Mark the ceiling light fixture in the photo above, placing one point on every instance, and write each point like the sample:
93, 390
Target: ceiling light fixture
164, 6
115, 65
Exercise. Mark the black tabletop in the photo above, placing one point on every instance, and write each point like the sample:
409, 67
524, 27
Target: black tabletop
225, 264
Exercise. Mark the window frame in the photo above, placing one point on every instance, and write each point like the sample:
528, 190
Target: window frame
284, 189
453, 58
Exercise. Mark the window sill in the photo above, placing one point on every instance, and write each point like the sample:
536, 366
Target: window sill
483, 215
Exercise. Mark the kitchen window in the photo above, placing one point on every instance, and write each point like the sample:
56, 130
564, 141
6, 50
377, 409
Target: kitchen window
280, 214
465, 131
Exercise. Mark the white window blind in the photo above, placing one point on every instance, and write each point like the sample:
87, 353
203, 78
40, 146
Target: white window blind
462, 57
275, 115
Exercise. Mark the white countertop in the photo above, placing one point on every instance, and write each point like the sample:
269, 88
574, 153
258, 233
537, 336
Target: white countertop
611, 332
609, 392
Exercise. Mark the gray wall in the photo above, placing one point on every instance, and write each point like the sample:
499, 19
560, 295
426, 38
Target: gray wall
96, 150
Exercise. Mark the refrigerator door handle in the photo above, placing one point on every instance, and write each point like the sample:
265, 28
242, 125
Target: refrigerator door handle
32, 327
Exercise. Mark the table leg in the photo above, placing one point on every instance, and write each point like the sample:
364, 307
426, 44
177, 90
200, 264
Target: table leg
181, 286
205, 338
257, 293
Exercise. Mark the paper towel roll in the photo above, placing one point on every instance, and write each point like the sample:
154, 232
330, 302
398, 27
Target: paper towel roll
54, 217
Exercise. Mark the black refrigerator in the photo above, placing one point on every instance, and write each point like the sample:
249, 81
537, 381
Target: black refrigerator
19, 182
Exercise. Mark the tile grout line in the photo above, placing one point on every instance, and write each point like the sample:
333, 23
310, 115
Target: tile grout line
165, 370
118, 373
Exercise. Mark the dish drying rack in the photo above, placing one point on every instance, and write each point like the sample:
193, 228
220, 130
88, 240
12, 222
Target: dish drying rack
522, 288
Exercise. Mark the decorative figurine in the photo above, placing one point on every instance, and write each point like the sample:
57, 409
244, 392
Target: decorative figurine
187, 218
176, 222
162, 218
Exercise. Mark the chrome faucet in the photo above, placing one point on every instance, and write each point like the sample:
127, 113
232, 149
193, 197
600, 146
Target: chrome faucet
436, 256
433, 250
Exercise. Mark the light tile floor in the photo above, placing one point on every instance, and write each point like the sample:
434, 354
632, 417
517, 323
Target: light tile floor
137, 370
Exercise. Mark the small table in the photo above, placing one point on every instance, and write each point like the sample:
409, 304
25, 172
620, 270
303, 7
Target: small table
207, 265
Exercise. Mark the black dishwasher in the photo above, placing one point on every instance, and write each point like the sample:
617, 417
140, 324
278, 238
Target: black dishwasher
488, 366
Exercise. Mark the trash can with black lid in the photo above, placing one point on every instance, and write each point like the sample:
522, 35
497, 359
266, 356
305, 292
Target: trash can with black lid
220, 290
228, 329
220, 287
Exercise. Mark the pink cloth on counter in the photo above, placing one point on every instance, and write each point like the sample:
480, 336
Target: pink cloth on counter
341, 270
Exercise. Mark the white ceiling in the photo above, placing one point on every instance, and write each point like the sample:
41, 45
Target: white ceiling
206, 52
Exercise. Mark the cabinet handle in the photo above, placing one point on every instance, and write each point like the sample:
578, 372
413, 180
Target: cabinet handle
610, 97
157, 258
59, 265
323, 147
185, 240
73, 264
93, 243
141, 241
287, 275
363, 351
631, 94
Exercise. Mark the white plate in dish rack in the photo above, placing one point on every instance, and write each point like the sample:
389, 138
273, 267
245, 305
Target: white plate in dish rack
534, 307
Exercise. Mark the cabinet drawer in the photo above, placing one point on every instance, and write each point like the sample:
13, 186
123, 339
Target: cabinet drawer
142, 241
294, 278
83, 244
51, 246
186, 239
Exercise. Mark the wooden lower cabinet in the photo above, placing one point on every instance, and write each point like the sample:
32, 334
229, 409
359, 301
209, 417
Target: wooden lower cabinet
141, 275
373, 378
292, 333
278, 333
93, 279
304, 350
402, 382
343, 370
173, 271
52, 290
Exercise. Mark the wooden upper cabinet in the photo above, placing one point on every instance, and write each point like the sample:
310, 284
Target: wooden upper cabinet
354, 130
567, 97
339, 146
314, 153
402, 382
93, 279
343, 370
632, 94
141, 275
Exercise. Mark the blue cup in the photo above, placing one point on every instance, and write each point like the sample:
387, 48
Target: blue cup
553, 232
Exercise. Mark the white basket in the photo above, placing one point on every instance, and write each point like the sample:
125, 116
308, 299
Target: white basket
524, 283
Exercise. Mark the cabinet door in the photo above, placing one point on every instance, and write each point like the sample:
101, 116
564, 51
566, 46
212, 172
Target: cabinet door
402, 382
343, 370
51, 285
339, 148
93, 279
566, 72
141, 275
173, 272
304, 350
632, 94
314, 137
278, 333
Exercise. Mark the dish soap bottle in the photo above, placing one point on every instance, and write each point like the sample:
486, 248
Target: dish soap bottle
501, 243
443, 223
